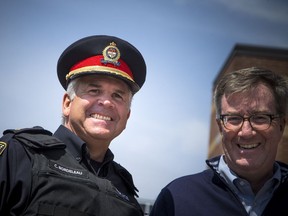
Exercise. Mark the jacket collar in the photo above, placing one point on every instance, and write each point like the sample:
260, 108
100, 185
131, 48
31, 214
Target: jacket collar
213, 164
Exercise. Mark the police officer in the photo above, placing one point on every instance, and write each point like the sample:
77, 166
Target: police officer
72, 172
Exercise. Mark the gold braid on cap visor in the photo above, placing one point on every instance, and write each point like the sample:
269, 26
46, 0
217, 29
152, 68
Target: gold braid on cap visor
98, 69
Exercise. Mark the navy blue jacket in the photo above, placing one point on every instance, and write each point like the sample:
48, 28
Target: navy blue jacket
207, 193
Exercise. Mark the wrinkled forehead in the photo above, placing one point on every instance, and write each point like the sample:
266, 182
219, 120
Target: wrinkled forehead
254, 91
100, 80
259, 98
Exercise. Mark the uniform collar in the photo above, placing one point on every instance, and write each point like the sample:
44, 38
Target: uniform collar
74, 144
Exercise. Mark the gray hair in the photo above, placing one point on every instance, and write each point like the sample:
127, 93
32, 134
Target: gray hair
71, 92
246, 79
72, 88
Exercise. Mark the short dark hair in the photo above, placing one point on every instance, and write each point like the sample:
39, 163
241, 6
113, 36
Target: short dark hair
247, 79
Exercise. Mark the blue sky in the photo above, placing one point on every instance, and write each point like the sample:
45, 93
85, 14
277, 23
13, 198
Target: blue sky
184, 42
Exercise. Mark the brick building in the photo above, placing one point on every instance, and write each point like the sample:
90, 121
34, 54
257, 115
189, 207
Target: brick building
244, 56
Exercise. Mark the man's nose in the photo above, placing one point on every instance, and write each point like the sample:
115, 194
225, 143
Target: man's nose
246, 128
106, 101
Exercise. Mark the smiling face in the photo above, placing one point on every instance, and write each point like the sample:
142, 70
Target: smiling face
100, 109
247, 151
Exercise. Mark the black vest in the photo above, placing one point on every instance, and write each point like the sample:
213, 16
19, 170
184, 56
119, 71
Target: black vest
62, 187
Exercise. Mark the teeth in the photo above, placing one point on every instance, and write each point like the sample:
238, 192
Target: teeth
97, 116
248, 146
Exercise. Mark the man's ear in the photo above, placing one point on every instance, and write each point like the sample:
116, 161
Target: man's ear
128, 114
219, 123
282, 124
66, 103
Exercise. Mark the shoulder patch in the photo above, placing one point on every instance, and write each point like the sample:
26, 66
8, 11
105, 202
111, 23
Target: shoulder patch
3, 146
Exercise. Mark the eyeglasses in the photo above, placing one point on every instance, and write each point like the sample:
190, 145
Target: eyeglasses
257, 121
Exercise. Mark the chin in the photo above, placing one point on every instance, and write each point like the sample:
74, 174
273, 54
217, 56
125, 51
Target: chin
243, 162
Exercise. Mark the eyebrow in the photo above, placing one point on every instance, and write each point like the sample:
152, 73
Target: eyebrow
93, 85
118, 90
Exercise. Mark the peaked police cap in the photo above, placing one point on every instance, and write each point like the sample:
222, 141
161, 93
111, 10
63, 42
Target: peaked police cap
102, 54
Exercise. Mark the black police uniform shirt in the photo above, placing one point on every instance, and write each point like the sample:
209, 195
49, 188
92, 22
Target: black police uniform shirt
15, 196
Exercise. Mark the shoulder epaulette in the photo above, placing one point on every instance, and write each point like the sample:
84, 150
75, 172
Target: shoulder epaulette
35, 137
33, 130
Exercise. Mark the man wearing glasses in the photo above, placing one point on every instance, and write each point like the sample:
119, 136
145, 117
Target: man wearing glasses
246, 180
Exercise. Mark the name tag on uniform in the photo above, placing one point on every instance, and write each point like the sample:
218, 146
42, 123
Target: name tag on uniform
63, 169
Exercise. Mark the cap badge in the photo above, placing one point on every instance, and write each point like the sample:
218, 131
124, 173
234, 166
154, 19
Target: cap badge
111, 55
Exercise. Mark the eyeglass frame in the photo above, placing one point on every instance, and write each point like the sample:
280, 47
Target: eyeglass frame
271, 117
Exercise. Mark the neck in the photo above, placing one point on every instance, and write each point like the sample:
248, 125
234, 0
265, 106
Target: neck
97, 152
